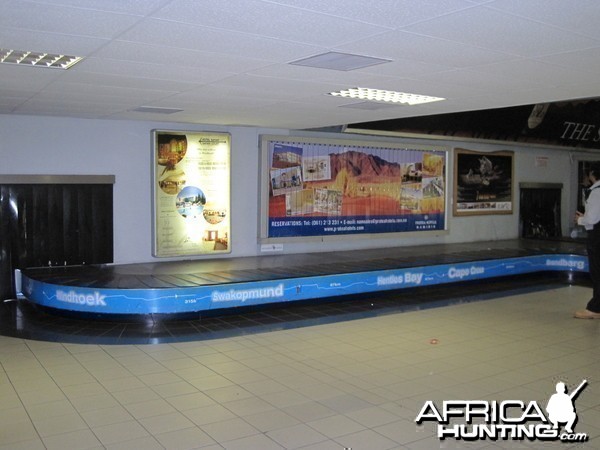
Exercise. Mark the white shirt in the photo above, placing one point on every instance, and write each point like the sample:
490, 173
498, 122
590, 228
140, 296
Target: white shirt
592, 208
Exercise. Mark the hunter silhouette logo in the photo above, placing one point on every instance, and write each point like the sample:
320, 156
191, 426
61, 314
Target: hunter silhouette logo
471, 420
561, 408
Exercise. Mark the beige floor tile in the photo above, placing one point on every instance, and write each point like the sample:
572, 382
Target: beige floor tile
246, 406
18, 431
190, 401
160, 378
119, 432
336, 426
34, 444
308, 411
71, 378
43, 395
13, 415
186, 439
135, 395
84, 390
174, 389
143, 443
93, 402
52, 425
258, 441
353, 384
271, 420
373, 416
208, 414
150, 408
229, 430
118, 384
296, 436
10, 401
228, 394
369, 439
166, 423
286, 398
106, 416
77, 440
206, 383
262, 387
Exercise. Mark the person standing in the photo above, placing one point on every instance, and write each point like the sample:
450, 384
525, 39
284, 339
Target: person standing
591, 221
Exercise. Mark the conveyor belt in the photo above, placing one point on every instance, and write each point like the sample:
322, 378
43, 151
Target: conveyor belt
185, 286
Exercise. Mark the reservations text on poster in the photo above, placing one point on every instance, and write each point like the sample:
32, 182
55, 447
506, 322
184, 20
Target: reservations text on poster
326, 188
191, 193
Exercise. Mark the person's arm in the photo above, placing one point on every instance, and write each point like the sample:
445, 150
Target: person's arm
592, 210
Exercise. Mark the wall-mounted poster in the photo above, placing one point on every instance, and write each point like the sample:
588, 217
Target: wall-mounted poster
483, 182
326, 187
191, 188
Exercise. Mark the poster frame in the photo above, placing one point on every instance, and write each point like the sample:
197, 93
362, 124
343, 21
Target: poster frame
479, 205
264, 187
154, 189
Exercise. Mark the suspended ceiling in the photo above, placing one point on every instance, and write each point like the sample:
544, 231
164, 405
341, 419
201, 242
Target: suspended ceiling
228, 62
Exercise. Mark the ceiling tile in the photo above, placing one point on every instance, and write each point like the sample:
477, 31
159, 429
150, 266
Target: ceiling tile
193, 37
57, 19
179, 60
270, 20
552, 12
133, 7
227, 62
501, 32
17, 38
401, 45
388, 13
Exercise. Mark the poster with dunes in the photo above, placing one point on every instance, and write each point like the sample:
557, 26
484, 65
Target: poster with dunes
321, 187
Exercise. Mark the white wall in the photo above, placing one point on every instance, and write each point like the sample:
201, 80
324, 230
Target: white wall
43, 145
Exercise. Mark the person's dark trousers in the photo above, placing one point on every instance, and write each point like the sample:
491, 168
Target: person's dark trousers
593, 251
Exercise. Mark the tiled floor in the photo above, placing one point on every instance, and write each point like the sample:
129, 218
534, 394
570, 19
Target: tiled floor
346, 384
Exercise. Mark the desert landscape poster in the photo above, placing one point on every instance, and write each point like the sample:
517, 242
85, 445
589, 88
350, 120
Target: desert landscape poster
326, 188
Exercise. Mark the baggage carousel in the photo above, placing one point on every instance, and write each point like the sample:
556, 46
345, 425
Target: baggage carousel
317, 288
205, 285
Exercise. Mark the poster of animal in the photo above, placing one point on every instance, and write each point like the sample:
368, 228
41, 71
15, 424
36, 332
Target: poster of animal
483, 182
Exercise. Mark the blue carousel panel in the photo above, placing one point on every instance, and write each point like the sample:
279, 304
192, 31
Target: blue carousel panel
192, 295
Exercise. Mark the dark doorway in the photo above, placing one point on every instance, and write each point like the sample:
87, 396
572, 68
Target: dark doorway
53, 220
540, 212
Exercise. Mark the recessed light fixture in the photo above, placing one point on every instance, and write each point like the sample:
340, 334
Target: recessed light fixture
380, 95
339, 61
37, 59
371, 106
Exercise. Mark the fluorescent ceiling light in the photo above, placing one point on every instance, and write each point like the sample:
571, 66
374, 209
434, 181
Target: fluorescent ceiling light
37, 59
379, 95
371, 106
339, 61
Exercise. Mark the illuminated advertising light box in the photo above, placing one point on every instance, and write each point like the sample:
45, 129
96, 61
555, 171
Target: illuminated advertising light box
312, 188
191, 193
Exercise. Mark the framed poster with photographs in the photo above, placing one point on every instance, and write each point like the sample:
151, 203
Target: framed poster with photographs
191, 193
313, 187
483, 182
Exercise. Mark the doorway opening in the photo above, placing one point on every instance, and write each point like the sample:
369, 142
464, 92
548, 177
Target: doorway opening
540, 211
